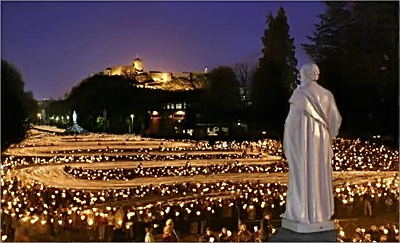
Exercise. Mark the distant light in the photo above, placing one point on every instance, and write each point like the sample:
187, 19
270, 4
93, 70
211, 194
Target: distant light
180, 113
155, 113
264, 132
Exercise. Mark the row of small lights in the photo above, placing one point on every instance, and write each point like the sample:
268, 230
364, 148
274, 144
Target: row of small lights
349, 155
128, 174
91, 137
141, 150
11, 162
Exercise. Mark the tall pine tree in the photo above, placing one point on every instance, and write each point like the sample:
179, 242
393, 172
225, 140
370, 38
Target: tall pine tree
356, 46
275, 77
327, 49
375, 37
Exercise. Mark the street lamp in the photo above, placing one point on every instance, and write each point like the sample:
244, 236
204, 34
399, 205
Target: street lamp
132, 116
39, 116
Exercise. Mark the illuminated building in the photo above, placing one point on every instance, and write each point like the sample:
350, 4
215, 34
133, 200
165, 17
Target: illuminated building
137, 70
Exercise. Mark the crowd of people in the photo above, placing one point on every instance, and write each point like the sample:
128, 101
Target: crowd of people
218, 204
357, 155
384, 233
371, 198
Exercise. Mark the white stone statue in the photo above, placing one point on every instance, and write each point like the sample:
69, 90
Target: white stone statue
74, 116
311, 125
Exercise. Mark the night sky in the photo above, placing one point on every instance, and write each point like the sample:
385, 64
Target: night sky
57, 44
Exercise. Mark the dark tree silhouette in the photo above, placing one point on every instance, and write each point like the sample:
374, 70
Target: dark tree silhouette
356, 47
16, 105
275, 77
119, 98
221, 97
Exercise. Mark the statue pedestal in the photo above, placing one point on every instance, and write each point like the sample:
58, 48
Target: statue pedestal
297, 232
286, 235
75, 129
307, 228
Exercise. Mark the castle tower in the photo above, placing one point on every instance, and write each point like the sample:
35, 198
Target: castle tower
138, 65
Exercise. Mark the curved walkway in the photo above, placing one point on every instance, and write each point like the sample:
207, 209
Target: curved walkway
54, 175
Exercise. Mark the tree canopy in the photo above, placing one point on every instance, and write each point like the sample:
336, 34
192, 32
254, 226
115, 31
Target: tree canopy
275, 77
355, 44
114, 98
17, 106
221, 96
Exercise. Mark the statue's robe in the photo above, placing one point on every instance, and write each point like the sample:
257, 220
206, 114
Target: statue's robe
312, 123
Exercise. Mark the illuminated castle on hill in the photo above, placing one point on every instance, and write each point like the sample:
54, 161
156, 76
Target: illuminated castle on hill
136, 69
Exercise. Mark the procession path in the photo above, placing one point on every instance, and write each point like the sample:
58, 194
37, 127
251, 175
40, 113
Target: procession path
54, 175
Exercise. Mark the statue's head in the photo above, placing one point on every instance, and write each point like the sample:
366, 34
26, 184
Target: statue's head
309, 72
